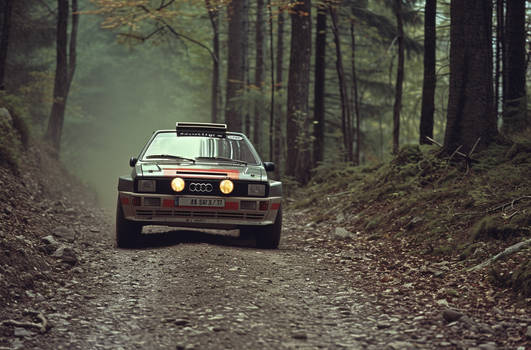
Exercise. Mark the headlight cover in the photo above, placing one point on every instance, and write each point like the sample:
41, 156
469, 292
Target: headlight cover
256, 190
177, 184
226, 186
147, 185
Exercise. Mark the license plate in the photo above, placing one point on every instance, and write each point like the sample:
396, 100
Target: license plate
200, 202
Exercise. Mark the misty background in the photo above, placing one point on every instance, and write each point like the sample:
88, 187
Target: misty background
122, 93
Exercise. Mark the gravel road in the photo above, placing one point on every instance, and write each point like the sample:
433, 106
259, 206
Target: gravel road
191, 290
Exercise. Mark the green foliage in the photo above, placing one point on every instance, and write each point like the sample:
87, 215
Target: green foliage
493, 227
430, 199
14, 136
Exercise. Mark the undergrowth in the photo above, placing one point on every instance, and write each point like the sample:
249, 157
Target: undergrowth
440, 207
14, 137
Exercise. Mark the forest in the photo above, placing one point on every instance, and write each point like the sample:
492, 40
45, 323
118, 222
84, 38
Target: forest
400, 130
318, 87
311, 84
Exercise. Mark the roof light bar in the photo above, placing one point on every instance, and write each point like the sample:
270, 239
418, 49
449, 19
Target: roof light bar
200, 129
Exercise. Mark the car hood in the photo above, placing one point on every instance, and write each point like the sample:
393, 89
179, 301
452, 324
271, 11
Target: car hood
202, 170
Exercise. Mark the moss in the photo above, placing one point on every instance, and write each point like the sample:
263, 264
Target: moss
467, 250
22, 128
443, 250
8, 158
407, 154
373, 223
493, 227
521, 279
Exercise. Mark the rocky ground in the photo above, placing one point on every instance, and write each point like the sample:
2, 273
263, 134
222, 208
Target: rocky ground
191, 290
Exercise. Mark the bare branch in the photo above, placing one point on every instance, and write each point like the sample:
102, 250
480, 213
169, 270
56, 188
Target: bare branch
180, 35
140, 37
163, 5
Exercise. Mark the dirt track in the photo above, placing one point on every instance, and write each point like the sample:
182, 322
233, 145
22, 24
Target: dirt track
190, 290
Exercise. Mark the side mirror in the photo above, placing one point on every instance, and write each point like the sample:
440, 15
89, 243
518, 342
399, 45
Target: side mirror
269, 166
132, 161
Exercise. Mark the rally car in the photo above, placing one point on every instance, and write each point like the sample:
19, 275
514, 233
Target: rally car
199, 175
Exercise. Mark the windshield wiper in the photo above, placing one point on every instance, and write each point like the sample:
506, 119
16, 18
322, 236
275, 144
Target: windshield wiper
169, 156
223, 159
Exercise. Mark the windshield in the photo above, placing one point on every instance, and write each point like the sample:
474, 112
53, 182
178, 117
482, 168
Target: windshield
167, 145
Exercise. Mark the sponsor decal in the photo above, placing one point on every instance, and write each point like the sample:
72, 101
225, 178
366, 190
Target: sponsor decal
233, 174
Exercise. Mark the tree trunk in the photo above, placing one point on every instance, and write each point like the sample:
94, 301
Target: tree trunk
55, 124
355, 97
245, 67
259, 72
428, 86
470, 102
514, 112
498, 87
343, 93
272, 71
278, 87
399, 77
235, 64
319, 86
213, 14
72, 53
298, 162
4, 41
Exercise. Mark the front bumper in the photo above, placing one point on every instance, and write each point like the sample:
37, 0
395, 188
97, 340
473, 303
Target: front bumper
161, 209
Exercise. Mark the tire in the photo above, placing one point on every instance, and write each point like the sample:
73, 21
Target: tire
128, 233
268, 237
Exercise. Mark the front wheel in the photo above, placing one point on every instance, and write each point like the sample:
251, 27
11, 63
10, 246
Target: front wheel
268, 237
128, 233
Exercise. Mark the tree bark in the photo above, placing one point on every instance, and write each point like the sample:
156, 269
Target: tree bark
319, 86
498, 85
72, 52
55, 124
235, 64
343, 92
515, 108
428, 86
470, 102
246, 68
272, 71
4, 41
399, 77
259, 72
278, 146
298, 162
213, 14
355, 97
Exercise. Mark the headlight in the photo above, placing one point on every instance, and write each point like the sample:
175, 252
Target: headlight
256, 190
226, 186
147, 185
177, 184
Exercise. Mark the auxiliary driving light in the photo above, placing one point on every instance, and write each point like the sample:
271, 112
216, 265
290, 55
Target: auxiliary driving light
177, 184
226, 186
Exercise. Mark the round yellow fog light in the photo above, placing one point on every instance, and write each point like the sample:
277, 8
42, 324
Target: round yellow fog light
226, 186
177, 184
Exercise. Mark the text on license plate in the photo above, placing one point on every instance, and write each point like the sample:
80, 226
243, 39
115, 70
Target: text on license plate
200, 202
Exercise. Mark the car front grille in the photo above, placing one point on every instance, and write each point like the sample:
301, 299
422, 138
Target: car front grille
168, 213
240, 187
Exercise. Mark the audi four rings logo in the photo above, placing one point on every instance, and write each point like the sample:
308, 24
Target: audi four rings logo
200, 187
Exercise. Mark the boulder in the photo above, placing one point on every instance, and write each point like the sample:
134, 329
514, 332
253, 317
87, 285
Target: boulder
66, 254
342, 232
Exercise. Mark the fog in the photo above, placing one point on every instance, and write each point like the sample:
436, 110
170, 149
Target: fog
120, 95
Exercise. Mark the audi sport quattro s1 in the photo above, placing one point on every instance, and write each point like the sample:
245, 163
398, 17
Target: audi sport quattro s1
199, 175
